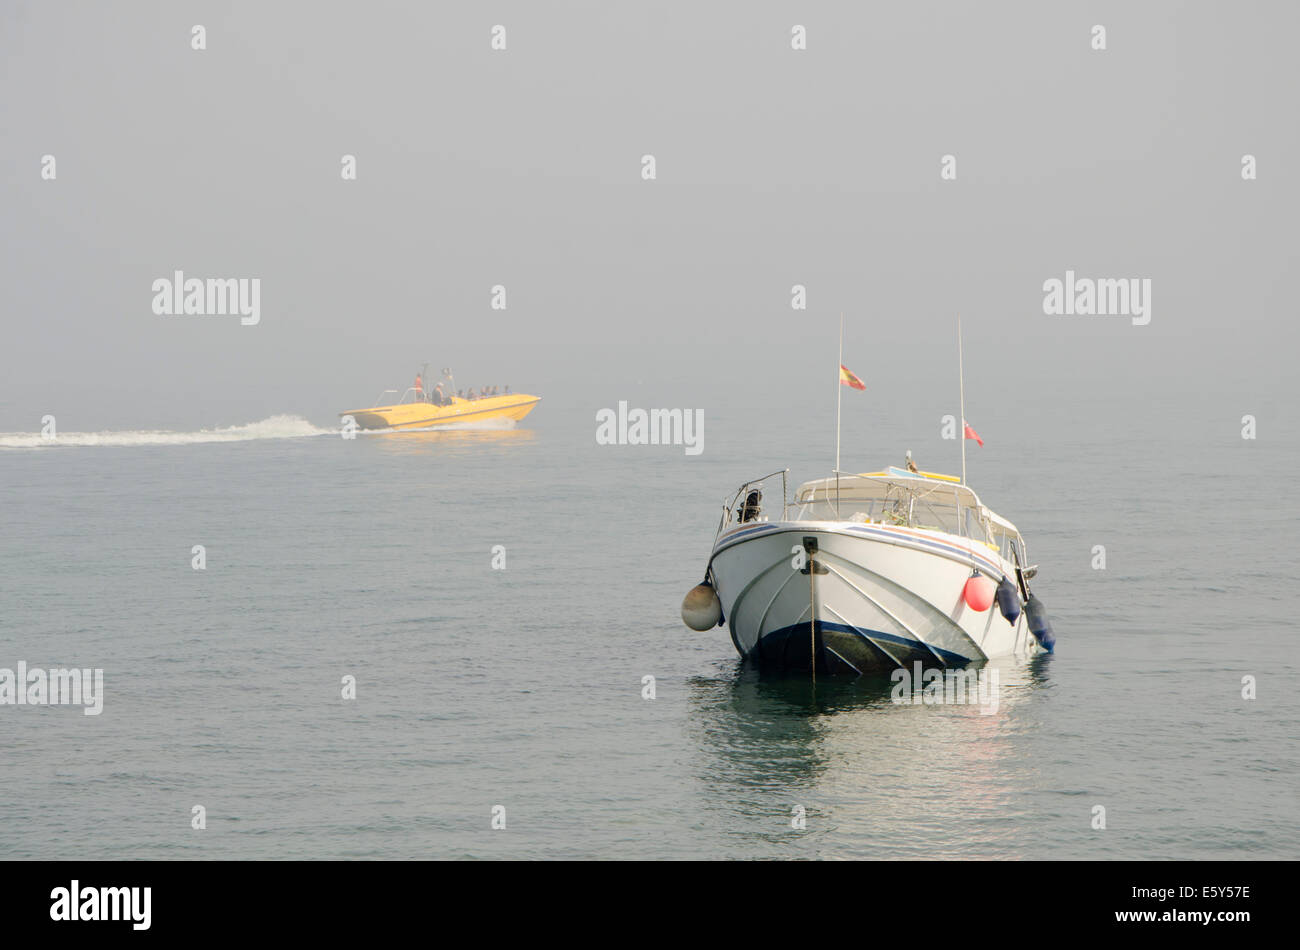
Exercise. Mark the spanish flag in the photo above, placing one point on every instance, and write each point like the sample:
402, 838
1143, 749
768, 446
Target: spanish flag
848, 379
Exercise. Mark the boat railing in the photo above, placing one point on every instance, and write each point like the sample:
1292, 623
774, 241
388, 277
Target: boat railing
734, 509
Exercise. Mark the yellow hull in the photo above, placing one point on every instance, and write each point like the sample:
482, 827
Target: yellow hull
423, 415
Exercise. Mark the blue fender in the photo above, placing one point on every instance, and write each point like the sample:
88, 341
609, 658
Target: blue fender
1009, 600
1039, 625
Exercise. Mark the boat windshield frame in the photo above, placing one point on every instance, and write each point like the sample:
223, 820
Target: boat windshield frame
885, 493
910, 501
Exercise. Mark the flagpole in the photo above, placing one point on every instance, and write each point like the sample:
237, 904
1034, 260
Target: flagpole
961, 380
839, 390
839, 402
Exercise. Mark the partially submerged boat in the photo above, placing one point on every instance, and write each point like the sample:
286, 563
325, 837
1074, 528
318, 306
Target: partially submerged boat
418, 408
867, 572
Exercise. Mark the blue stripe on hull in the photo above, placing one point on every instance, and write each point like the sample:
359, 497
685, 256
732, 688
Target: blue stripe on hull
841, 648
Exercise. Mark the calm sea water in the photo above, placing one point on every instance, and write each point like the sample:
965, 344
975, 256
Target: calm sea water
523, 687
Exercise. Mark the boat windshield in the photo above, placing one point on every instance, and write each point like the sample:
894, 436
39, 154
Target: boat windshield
1007, 540
908, 502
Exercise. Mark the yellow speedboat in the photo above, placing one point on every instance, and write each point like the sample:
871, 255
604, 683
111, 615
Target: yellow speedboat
419, 409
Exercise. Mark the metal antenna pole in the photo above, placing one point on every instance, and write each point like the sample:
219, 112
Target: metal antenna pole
839, 389
839, 404
961, 380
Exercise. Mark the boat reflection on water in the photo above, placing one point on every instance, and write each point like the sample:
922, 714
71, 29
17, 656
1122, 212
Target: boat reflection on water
447, 441
876, 778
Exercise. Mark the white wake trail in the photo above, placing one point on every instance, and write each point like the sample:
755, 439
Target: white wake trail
275, 427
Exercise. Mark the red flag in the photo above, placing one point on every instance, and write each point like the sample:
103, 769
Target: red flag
971, 433
848, 379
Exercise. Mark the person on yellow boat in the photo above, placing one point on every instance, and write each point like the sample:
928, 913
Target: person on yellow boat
419, 388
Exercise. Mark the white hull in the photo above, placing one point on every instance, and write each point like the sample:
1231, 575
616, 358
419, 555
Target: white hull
879, 597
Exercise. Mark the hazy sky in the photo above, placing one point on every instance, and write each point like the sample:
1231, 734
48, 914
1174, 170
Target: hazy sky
523, 167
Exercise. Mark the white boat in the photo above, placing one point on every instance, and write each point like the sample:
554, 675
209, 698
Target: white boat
870, 572
867, 572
